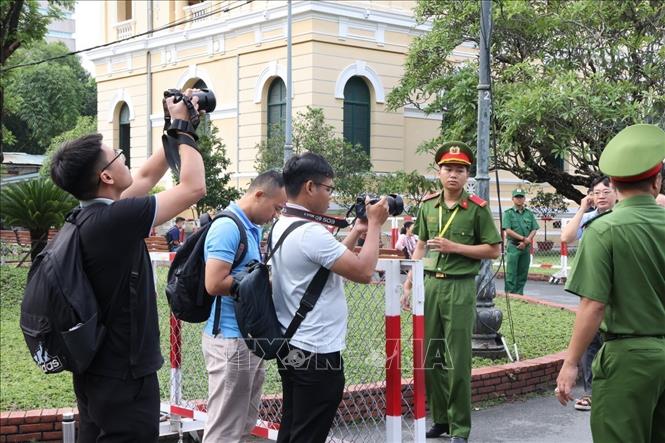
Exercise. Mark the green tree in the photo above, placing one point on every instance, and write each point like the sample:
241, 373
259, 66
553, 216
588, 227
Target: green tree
413, 187
84, 125
566, 77
36, 205
312, 133
547, 205
22, 24
48, 98
216, 163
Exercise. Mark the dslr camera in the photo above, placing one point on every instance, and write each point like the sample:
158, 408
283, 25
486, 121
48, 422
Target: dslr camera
207, 101
395, 205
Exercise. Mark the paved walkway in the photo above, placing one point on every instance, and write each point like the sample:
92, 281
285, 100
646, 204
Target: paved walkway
536, 420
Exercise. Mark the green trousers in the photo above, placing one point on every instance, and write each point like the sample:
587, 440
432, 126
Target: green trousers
517, 269
450, 311
629, 391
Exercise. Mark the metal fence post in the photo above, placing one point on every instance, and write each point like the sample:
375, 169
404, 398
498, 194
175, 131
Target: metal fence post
68, 428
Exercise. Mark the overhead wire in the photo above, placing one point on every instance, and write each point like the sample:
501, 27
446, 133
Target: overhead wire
213, 11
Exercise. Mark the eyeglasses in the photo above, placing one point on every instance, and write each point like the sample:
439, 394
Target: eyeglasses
118, 153
329, 188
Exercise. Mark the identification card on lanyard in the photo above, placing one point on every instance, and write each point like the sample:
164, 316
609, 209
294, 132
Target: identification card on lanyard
431, 257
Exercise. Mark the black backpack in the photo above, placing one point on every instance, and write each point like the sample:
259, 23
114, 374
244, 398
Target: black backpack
185, 288
255, 309
59, 312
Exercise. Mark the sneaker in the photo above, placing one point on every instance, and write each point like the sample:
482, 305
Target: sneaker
437, 430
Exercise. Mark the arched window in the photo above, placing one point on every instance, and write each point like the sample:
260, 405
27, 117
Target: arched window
204, 123
356, 112
276, 106
200, 84
124, 133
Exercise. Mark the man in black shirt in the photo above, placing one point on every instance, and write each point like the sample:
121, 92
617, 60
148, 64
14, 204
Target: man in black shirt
118, 396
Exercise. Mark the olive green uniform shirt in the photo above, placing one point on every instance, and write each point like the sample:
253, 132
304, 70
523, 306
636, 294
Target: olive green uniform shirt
621, 263
522, 222
472, 225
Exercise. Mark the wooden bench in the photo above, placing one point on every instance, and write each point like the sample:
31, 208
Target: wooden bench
157, 243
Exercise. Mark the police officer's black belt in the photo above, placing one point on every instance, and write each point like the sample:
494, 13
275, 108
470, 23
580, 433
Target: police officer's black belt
319, 218
444, 276
608, 336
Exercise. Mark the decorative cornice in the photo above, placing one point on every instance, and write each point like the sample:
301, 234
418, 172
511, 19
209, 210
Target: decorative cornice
270, 19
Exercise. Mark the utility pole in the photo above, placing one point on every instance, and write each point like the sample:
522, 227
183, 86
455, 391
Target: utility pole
288, 145
488, 319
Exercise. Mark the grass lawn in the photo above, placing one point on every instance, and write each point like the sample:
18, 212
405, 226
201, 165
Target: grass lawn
539, 331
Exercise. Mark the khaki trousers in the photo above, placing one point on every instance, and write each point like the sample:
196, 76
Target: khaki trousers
235, 378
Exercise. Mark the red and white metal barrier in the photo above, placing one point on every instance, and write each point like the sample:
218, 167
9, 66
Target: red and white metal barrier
361, 416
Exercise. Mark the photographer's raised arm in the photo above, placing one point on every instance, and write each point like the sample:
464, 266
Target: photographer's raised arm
359, 268
192, 185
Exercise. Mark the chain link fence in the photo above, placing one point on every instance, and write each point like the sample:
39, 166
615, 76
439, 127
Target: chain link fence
361, 416
550, 259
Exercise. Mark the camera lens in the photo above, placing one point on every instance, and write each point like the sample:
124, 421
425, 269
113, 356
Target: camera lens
207, 101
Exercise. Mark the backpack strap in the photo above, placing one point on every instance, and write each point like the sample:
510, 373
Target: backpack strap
241, 252
290, 229
313, 291
308, 301
242, 247
133, 300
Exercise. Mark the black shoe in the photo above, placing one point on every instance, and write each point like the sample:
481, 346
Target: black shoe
436, 431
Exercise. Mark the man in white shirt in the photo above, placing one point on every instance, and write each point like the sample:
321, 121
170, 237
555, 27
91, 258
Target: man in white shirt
313, 382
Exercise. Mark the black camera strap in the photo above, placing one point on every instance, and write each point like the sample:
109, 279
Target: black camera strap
193, 113
318, 218
171, 149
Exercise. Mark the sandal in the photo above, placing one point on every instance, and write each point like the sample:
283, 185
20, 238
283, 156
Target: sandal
583, 403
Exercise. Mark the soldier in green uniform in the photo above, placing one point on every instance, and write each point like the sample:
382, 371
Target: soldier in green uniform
456, 231
520, 226
620, 274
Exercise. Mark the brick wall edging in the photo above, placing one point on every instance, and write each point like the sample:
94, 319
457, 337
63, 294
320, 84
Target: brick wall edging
36, 424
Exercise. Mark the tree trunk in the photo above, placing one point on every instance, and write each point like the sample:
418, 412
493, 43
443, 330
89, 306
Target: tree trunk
38, 240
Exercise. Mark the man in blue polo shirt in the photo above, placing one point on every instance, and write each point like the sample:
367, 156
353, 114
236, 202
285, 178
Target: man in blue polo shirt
235, 375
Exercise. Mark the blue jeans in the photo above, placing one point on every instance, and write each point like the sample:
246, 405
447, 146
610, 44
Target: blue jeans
587, 359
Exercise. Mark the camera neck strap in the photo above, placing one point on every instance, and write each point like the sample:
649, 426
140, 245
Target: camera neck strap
318, 218
193, 113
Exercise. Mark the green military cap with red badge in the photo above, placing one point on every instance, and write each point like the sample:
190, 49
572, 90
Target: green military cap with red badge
454, 153
636, 153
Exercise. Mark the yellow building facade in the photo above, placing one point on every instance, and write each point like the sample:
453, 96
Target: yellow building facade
238, 49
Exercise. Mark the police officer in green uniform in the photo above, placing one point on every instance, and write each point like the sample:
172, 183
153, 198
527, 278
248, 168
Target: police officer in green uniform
520, 226
456, 231
620, 274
